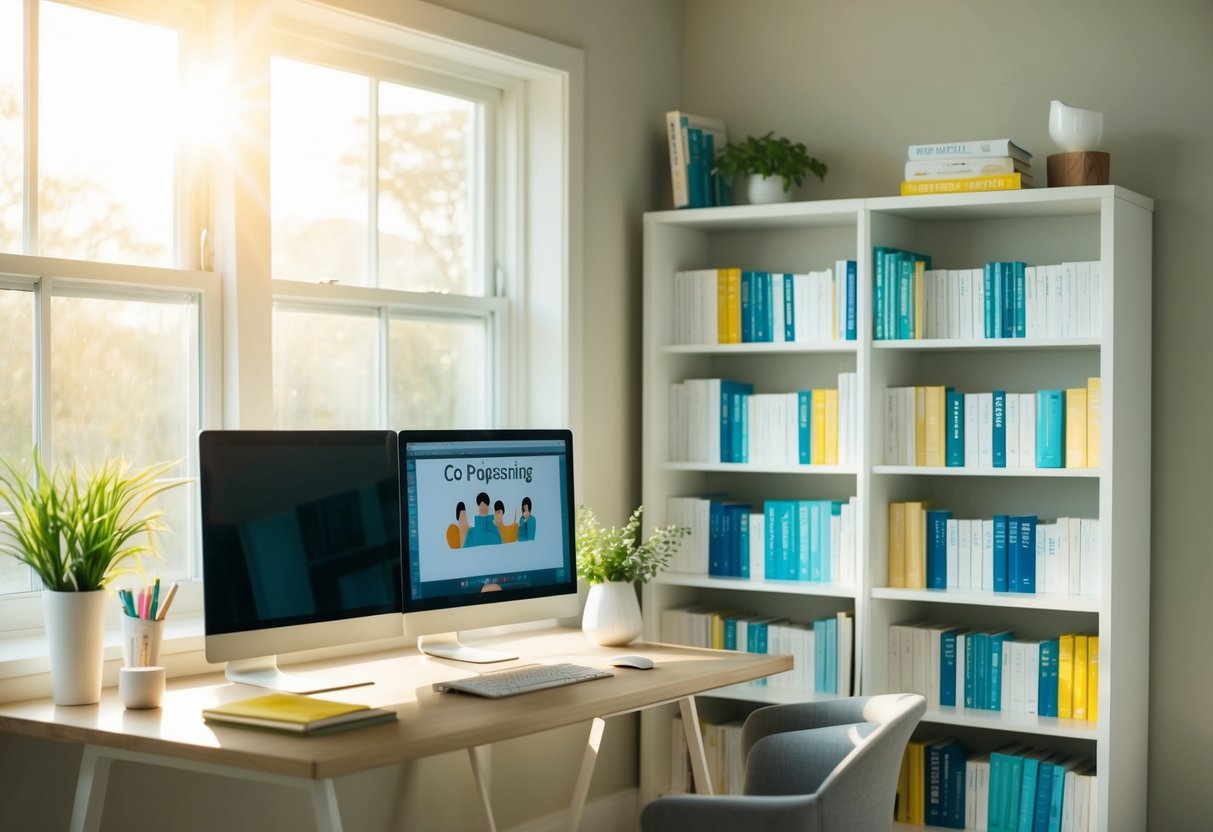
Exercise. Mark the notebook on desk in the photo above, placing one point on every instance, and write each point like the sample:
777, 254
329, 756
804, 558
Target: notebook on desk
296, 714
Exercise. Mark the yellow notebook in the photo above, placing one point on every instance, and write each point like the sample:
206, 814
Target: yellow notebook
1065, 676
296, 714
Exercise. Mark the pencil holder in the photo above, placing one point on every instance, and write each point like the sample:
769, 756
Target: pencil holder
141, 641
141, 687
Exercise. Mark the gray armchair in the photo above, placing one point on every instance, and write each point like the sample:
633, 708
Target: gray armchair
809, 767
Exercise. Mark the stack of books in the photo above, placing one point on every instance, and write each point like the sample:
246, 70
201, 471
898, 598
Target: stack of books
966, 167
694, 143
296, 714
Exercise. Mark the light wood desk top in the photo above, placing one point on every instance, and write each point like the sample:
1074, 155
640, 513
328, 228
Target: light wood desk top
429, 723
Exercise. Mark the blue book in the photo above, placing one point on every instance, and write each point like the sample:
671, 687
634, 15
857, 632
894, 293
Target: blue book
789, 537
770, 549
817, 556
998, 444
905, 297
804, 434
1024, 554
991, 298
741, 425
789, 309
760, 293
995, 681
747, 307
819, 655
851, 331
1000, 553
1051, 429
1042, 795
947, 669
1012, 553
741, 517
937, 547
944, 770
981, 669
1007, 276
718, 552
734, 402
730, 633
1019, 279
879, 294
970, 679
807, 533
705, 169
695, 168
1006, 777
1027, 790
954, 431
1046, 690
1058, 794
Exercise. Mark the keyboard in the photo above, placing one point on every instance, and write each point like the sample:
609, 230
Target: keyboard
524, 679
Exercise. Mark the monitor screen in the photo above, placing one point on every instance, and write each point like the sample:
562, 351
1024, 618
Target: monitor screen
300, 540
488, 529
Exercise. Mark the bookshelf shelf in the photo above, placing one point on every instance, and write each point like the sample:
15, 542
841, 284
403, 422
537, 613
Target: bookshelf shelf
960, 231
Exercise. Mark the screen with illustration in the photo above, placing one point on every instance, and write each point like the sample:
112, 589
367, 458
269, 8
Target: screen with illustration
487, 516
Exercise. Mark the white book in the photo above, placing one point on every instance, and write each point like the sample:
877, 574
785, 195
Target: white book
1018, 674
777, 308
983, 794
964, 566
1075, 528
757, 553
1088, 555
840, 299
960, 669
892, 428
987, 555
972, 430
985, 429
921, 664
1067, 801
975, 554
1031, 678
1096, 303
846, 639
711, 426
1012, 429
791, 429
709, 330
824, 304
1029, 301
907, 660
1040, 560
1005, 692
968, 149
677, 435
1082, 298
952, 553
954, 304
964, 305
800, 303
907, 410
893, 660
1027, 430
1069, 292
977, 295
1053, 312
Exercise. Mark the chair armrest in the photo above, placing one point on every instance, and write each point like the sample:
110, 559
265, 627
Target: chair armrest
692, 813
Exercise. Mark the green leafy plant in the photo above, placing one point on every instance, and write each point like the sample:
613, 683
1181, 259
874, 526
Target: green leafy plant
769, 156
614, 554
80, 530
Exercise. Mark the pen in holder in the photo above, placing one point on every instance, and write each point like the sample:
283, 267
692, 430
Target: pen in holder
141, 641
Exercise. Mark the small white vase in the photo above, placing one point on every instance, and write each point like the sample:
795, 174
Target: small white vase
75, 635
612, 613
766, 190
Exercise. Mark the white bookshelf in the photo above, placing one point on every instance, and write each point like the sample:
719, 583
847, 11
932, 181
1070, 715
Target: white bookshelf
1104, 223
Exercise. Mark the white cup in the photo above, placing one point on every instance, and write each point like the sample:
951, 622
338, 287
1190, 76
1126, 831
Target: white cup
141, 641
141, 687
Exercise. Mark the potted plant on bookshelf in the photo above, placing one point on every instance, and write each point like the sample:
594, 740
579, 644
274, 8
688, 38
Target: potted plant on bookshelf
612, 561
79, 531
773, 165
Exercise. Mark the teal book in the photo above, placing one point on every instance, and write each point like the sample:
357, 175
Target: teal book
804, 433
1058, 793
804, 541
741, 540
1042, 795
819, 655
947, 670
944, 761
998, 441
747, 306
981, 669
994, 697
706, 163
1019, 279
850, 331
1024, 554
1046, 693
1006, 778
741, 425
789, 308
905, 297
990, 300
831, 664
696, 168
970, 678
770, 549
937, 547
1012, 551
1051, 429
760, 295
1000, 553
954, 435
817, 556
1027, 790
879, 294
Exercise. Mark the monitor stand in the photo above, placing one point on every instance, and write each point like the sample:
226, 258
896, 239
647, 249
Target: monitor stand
263, 672
448, 646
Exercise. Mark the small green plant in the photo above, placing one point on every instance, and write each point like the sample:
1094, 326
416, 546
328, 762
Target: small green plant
614, 554
80, 530
769, 156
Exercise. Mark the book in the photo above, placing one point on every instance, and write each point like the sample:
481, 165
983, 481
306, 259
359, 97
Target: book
965, 184
1050, 429
1094, 422
1076, 427
296, 714
952, 168
681, 129
969, 148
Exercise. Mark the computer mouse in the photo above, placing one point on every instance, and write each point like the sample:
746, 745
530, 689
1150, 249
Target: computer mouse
638, 662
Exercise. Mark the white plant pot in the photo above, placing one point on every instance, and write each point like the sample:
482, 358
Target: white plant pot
75, 635
612, 613
765, 190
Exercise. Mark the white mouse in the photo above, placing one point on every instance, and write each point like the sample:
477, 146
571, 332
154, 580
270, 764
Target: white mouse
638, 662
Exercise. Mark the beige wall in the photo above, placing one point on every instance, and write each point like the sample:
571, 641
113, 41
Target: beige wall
859, 81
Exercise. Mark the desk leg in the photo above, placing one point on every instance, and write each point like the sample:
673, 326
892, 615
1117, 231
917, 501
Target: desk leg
91, 784
588, 760
480, 773
699, 760
324, 805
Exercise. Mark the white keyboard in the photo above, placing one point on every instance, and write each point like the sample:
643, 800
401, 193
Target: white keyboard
524, 679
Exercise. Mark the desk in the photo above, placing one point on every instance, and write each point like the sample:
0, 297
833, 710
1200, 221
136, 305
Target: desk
429, 723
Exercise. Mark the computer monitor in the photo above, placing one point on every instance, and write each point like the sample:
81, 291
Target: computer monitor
489, 528
300, 547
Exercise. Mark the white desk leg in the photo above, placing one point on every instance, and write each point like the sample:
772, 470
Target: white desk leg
588, 760
480, 773
699, 760
91, 783
324, 805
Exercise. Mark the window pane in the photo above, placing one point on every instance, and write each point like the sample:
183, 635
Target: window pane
319, 145
439, 373
426, 175
326, 369
124, 381
106, 137
16, 406
12, 148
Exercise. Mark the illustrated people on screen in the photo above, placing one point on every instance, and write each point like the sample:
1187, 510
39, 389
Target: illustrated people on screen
457, 532
508, 531
526, 523
483, 531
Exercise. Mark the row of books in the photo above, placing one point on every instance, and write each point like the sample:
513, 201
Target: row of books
822, 650
732, 306
786, 540
694, 142
930, 549
967, 167
991, 670
1013, 789
934, 425
720, 420
721, 747
1002, 299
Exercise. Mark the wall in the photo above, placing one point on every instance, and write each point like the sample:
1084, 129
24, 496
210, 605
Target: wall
858, 82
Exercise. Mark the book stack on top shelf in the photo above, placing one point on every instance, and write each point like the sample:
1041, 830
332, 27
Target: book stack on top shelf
694, 143
966, 167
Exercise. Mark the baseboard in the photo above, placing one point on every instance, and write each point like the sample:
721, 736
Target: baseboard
617, 812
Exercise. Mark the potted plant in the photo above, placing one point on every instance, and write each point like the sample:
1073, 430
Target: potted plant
612, 561
78, 531
769, 162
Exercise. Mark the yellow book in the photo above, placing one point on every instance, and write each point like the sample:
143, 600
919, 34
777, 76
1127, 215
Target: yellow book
1094, 421
1065, 676
1076, 427
733, 284
901, 806
918, 798
920, 311
831, 431
717, 631
722, 306
916, 534
964, 184
897, 544
933, 425
920, 426
817, 434
1093, 679
296, 714
1078, 683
